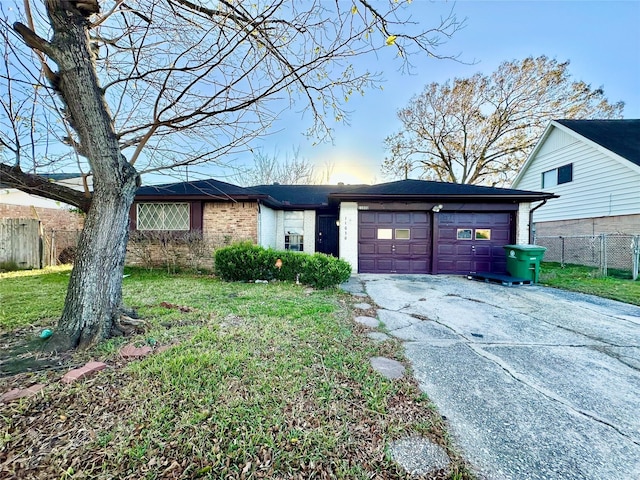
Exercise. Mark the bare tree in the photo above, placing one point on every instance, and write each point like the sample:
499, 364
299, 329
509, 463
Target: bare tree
148, 85
480, 129
290, 169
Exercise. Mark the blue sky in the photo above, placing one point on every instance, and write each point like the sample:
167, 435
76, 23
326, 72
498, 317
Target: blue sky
601, 39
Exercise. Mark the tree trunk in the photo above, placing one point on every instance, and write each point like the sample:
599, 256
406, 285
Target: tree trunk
94, 297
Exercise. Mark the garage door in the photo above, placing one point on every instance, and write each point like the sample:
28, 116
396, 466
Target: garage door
394, 242
472, 242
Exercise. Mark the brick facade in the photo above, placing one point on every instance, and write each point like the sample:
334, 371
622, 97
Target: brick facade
623, 224
223, 223
229, 222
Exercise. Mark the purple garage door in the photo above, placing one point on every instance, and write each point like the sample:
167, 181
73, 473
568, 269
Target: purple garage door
472, 242
394, 242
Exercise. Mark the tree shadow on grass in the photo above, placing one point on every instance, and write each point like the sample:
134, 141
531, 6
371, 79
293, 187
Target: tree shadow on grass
22, 352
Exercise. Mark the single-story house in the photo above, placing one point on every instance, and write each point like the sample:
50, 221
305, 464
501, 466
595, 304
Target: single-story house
407, 226
594, 165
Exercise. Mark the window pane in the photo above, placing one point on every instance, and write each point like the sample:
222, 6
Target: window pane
483, 234
550, 178
385, 234
163, 216
176, 216
403, 234
565, 174
294, 223
464, 234
294, 243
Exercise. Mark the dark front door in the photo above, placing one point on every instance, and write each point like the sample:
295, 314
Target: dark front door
327, 234
471, 242
394, 242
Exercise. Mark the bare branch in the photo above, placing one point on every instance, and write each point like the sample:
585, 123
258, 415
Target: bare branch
43, 187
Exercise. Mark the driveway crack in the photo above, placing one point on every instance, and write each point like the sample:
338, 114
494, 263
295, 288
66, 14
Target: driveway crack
525, 380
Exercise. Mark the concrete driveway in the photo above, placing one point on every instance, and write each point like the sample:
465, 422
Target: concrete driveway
535, 383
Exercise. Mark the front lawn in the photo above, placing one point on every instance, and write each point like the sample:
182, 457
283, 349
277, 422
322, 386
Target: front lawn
578, 278
261, 381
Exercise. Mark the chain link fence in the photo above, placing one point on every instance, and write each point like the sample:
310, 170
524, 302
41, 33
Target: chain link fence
604, 251
60, 246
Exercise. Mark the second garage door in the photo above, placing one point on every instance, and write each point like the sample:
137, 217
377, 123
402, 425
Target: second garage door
394, 242
470, 242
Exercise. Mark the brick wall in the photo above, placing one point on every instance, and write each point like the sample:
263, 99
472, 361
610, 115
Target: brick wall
624, 224
222, 224
51, 218
229, 222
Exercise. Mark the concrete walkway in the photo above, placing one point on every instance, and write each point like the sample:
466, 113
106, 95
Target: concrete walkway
535, 383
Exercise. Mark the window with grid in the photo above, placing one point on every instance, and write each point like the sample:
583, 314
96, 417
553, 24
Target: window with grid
294, 231
163, 216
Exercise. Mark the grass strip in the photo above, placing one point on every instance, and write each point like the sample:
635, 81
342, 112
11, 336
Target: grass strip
577, 278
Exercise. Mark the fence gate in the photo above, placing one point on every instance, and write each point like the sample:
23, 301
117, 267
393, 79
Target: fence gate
20, 242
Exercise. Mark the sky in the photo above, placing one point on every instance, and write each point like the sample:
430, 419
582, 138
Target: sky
601, 39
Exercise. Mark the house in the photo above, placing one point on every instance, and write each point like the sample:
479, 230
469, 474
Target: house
594, 166
54, 215
407, 226
58, 225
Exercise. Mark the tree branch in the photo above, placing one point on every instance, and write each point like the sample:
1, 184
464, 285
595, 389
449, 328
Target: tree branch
43, 187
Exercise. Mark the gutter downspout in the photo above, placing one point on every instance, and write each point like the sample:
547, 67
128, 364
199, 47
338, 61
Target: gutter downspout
531, 239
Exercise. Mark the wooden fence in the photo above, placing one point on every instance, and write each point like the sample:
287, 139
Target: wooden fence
21, 242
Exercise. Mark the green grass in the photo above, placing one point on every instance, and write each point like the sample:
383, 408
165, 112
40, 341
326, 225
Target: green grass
32, 297
262, 381
617, 286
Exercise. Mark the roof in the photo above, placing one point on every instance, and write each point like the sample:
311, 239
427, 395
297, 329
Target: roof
318, 196
302, 195
201, 189
54, 177
621, 137
429, 190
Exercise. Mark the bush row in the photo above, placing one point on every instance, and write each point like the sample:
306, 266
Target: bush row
248, 262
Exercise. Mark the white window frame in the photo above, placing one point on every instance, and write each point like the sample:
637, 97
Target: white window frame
294, 230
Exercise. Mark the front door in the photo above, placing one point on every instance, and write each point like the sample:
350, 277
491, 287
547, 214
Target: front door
327, 234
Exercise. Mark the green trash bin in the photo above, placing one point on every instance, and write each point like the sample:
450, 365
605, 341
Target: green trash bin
523, 261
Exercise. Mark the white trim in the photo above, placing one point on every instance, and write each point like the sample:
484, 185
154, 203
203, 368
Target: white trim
576, 135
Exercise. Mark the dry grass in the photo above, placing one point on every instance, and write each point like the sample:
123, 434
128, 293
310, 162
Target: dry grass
263, 381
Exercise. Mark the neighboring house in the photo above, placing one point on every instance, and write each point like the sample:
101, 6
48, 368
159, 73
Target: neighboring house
58, 224
54, 215
13, 196
408, 226
594, 166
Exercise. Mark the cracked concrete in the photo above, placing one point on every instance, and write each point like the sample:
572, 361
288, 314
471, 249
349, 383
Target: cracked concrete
535, 383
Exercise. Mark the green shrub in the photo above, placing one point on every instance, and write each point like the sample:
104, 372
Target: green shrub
247, 262
322, 271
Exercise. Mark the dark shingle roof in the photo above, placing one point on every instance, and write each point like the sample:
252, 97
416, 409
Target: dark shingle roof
619, 136
421, 189
317, 196
301, 195
54, 177
211, 188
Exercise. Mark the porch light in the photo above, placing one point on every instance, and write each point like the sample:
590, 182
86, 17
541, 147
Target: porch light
436, 208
